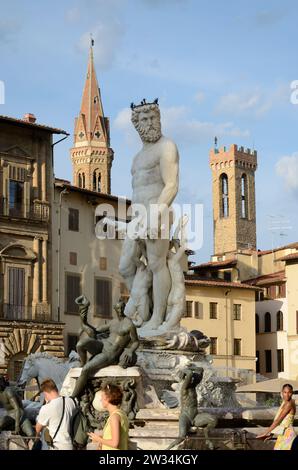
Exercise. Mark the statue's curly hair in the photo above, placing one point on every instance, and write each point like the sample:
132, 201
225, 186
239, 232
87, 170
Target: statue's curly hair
143, 109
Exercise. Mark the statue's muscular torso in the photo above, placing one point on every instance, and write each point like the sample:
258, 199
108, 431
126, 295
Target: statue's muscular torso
120, 335
147, 181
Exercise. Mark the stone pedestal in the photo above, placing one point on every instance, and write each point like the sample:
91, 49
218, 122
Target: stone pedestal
10, 441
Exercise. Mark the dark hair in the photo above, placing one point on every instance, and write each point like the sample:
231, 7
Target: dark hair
113, 393
287, 386
48, 385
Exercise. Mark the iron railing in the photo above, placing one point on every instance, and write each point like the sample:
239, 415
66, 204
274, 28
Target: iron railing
37, 210
23, 312
16, 312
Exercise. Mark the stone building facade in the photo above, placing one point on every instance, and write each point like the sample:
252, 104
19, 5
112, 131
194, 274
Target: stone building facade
82, 263
234, 209
236, 259
26, 192
223, 308
277, 312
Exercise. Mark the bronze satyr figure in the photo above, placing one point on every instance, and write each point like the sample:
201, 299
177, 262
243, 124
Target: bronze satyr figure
118, 348
189, 416
14, 420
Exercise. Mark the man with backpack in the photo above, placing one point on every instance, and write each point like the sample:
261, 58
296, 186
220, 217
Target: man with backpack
55, 416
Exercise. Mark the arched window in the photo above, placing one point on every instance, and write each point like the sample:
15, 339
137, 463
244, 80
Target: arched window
83, 180
79, 180
257, 323
279, 321
267, 322
244, 196
96, 180
15, 365
99, 182
224, 188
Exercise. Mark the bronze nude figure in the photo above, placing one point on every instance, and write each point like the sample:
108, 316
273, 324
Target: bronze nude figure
118, 348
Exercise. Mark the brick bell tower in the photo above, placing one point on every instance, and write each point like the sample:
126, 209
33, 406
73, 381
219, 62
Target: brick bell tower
234, 205
91, 154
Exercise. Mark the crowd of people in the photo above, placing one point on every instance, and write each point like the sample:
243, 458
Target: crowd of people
56, 418
56, 414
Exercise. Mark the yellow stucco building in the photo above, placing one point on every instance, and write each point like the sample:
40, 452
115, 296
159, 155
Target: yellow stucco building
224, 310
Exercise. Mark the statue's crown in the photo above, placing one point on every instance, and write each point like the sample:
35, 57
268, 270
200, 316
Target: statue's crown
143, 103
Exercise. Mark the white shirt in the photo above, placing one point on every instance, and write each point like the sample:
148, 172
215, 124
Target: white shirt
50, 416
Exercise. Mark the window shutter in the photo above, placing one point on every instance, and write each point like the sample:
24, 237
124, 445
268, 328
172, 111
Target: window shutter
73, 290
103, 297
16, 293
73, 220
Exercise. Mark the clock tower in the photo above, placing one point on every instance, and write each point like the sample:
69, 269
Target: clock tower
91, 154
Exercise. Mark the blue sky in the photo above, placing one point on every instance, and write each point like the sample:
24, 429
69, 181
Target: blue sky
218, 68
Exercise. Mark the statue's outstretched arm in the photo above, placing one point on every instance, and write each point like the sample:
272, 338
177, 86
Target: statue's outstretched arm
84, 305
88, 329
187, 379
134, 340
102, 329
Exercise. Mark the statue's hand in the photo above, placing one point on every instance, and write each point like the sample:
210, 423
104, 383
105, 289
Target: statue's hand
83, 315
125, 358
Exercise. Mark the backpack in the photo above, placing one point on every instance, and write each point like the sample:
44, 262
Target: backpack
79, 428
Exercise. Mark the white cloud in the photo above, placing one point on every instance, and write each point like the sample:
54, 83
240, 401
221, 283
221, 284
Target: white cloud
179, 125
254, 103
123, 123
199, 97
287, 168
107, 36
243, 103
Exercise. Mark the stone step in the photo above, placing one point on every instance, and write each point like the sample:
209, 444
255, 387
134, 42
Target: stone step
158, 414
160, 436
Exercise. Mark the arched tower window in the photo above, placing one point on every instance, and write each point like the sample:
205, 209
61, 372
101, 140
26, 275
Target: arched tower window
99, 182
224, 189
267, 322
96, 180
83, 180
79, 180
279, 321
244, 196
257, 323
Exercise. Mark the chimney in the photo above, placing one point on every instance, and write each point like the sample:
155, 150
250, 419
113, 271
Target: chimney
29, 118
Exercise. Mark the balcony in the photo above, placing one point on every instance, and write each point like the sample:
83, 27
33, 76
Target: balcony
16, 312
37, 210
23, 313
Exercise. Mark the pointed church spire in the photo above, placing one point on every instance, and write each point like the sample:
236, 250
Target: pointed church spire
91, 154
91, 106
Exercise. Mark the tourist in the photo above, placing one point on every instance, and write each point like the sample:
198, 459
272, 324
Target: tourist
115, 432
282, 425
55, 415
